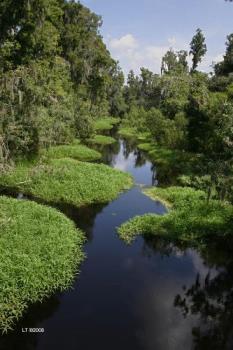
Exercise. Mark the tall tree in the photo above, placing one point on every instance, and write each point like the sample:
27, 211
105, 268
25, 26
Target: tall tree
226, 66
198, 48
174, 62
169, 62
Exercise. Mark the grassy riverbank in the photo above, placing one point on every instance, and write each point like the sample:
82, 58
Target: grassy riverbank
41, 251
104, 124
75, 151
190, 218
127, 132
68, 180
102, 140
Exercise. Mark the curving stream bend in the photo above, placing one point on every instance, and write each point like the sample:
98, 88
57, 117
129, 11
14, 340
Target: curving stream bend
125, 296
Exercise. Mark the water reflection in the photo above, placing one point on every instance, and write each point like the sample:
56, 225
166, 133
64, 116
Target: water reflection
36, 314
150, 295
210, 298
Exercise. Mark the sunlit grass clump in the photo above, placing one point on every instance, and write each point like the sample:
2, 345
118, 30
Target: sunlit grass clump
190, 218
69, 181
102, 140
40, 252
75, 151
105, 124
128, 132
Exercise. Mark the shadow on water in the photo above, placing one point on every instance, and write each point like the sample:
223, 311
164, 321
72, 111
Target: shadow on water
149, 295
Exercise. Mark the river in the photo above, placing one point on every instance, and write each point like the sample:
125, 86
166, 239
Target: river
126, 296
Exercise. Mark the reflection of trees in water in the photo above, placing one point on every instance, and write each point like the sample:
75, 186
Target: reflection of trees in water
140, 159
155, 245
109, 153
155, 181
128, 147
84, 217
34, 316
210, 297
211, 300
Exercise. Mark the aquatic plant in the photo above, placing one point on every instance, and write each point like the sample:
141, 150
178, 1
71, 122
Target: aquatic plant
75, 151
40, 252
190, 218
105, 123
69, 181
128, 132
102, 140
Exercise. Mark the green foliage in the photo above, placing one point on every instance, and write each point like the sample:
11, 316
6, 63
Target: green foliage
56, 75
175, 93
75, 151
191, 218
102, 140
165, 131
68, 180
198, 48
41, 251
143, 91
127, 132
105, 124
174, 62
226, 66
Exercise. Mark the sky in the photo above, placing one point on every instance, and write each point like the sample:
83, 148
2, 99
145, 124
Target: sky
139, 32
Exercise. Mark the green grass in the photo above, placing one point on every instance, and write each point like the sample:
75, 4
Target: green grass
128, 132
146, 146
191, 219
105, 124
40, 253
75, 151
69, 181
102, 140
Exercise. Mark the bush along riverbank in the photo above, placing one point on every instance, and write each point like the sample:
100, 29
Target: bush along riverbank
41, 252
171, 164
190, 218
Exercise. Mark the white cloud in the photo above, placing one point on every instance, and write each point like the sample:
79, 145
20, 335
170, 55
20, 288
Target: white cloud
172, 41
132, 53
126, 42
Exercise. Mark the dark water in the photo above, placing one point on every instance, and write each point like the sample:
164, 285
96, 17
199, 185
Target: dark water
149, 295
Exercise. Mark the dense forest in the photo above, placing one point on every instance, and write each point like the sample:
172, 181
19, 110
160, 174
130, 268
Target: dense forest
189, 110
63, 101
57, 77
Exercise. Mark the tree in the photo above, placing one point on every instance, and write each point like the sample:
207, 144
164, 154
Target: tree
174, 62
226, 66
169, 62
197, 48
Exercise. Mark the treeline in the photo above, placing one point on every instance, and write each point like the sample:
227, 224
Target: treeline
56, 75
189, 110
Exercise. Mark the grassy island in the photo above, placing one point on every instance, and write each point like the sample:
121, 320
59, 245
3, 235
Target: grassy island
102, 140
67, 180
41, 251
75, 151
104, 124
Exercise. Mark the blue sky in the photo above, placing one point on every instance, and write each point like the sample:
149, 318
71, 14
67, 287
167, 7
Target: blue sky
139, 32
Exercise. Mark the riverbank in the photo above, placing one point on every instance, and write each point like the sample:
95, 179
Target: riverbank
192, 216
